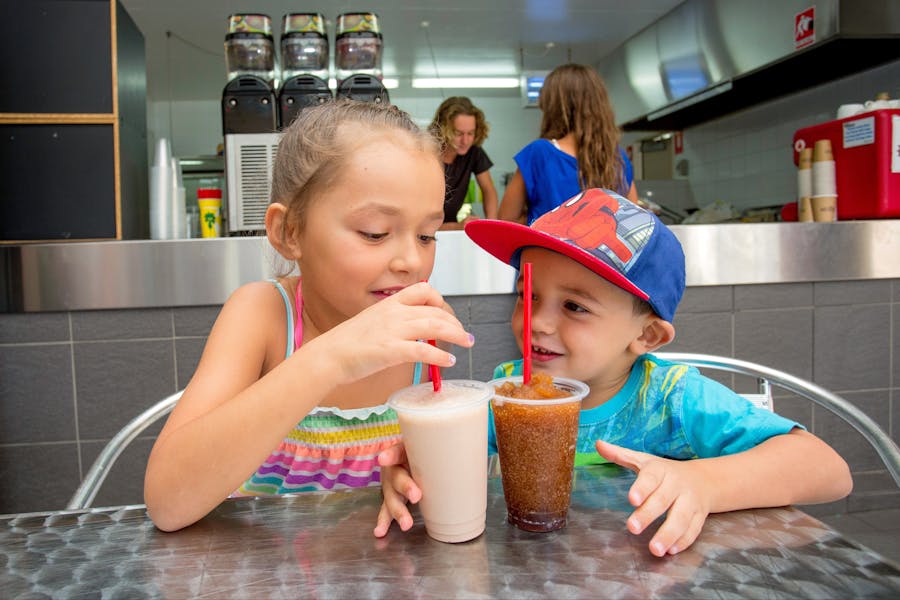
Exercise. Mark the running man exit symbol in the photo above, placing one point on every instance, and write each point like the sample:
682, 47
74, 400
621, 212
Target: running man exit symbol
805, 28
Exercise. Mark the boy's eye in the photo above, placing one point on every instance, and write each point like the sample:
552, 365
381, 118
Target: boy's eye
427, 239
573, 307
372, 236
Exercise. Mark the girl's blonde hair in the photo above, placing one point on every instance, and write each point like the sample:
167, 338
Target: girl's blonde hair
442, 124
317, 146
574, 99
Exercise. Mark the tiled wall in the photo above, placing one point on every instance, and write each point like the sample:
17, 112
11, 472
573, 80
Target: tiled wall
69, 381
746, 158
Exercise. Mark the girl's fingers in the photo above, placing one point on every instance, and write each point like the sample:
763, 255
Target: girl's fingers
383, 523
395, 455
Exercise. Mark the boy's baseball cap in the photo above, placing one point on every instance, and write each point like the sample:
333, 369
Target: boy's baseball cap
613, 237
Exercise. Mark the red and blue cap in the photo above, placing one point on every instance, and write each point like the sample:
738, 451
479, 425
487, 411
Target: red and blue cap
613, 237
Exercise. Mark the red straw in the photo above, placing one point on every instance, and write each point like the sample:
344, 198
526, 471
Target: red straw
435, 371
526, 342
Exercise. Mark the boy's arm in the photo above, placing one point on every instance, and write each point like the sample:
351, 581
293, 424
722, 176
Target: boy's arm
793, 468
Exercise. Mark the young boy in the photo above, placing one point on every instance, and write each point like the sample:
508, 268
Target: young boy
607, 277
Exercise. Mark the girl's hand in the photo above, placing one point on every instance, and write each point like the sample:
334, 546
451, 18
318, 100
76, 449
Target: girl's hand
387, 334
398, 488
663, 485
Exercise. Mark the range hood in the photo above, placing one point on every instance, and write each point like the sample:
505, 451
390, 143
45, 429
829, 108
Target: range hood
708, 58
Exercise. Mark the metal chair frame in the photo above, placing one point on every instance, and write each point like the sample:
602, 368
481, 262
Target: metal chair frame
96, 475
766, 376
885, 447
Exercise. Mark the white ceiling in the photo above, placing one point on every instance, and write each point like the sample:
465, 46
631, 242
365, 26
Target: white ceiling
468, 37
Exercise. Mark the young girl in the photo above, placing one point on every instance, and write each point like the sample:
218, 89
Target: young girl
461, 127
578, 148
290, 392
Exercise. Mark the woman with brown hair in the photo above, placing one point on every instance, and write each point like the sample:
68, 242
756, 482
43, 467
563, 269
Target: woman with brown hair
461, 129
578, 148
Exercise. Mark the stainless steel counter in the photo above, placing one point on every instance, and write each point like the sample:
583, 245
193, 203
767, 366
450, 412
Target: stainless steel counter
137, 274
321, 545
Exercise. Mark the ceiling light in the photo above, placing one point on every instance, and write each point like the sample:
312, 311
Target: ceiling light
465, 82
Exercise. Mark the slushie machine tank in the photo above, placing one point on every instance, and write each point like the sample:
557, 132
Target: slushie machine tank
304, 46
249, 49
358, 45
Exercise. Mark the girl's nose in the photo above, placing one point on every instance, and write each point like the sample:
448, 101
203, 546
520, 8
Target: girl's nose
407, 256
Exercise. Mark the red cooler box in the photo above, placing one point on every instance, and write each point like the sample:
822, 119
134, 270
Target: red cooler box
866, 150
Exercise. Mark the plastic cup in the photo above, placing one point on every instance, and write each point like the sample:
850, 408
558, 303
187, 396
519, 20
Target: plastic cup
536, 441
209, 201
445, 434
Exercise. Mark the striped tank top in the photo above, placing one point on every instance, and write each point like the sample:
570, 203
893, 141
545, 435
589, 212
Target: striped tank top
330, 448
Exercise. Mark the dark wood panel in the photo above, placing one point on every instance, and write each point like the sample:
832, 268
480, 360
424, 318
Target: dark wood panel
57, 182
57, 56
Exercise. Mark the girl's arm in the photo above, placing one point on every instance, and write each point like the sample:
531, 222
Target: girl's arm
514, 206
488, 194
244, 397
235, 410
632, 193
793, 468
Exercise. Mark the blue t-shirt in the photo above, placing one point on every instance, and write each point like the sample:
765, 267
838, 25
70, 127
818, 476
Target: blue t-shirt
551, 176
668, 410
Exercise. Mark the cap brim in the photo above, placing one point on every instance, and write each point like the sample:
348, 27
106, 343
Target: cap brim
502, 239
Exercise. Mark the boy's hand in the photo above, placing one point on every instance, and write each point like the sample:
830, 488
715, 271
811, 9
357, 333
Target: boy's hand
398, 488
662, 485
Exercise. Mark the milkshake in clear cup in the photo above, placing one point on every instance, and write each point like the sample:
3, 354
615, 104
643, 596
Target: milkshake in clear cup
536, 441
445, 434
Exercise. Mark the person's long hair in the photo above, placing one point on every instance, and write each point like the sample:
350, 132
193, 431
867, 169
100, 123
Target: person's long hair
442, 124
574, 99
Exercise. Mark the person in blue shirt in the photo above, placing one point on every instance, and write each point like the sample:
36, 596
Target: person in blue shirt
578, 147
607, 279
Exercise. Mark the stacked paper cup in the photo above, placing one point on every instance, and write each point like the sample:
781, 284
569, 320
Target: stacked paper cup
167, 207
804, 185
824, 185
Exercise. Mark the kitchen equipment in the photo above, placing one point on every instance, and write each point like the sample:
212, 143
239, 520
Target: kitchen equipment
249, 49
358, 45
299, 92
248, 106
867, 169
366, 88
304, 46
249, 160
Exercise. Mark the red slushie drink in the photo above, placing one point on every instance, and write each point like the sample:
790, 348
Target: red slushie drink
445, 434
537, 428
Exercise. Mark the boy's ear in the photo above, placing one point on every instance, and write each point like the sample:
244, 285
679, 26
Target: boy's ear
280, 231
657, 333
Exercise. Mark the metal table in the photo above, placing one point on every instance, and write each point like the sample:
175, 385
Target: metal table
321, 545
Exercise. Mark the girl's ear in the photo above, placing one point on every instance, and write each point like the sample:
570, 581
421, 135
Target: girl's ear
656, 333
281, 232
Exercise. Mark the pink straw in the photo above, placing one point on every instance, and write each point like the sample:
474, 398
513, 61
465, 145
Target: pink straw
435, 371
526, 342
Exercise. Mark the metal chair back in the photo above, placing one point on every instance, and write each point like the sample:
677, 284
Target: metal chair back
885, 447
96, 475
